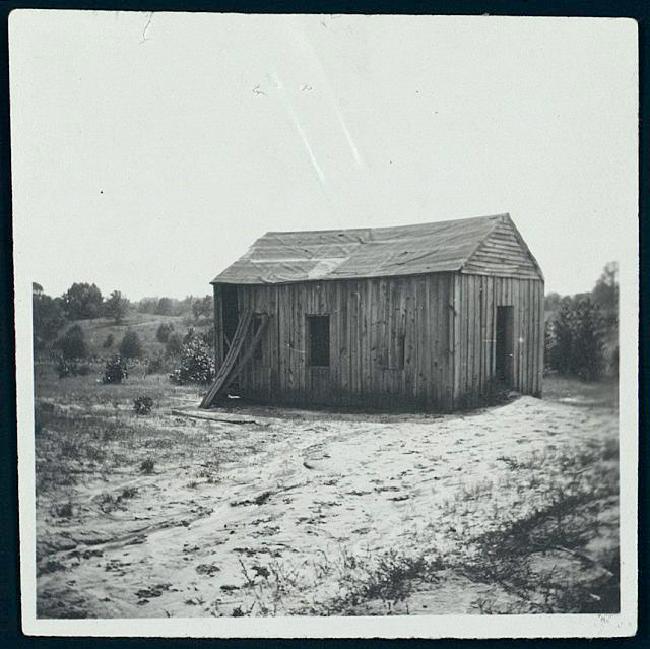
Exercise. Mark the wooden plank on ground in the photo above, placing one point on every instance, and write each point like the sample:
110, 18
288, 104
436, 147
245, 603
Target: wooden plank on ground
212, 416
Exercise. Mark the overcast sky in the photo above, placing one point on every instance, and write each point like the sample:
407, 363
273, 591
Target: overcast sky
149, 151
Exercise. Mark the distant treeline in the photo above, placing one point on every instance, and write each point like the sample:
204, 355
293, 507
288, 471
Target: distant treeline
84, 301
581, 334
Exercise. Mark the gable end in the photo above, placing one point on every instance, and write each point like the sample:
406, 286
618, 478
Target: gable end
503, 252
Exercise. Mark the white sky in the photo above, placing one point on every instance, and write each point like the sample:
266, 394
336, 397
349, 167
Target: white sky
148, 154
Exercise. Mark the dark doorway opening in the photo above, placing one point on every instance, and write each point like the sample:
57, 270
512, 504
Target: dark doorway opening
229, 321
318, 332
505, 345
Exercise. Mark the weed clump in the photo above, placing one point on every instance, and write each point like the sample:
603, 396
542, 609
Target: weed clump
142, 405
64, 510
146, 466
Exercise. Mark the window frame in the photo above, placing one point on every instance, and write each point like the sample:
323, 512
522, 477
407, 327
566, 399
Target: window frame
309, 319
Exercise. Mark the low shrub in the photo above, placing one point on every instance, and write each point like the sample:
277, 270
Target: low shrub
109, 341
142, 405
115, 371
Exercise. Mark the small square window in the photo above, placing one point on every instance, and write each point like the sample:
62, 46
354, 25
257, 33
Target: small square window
318, 333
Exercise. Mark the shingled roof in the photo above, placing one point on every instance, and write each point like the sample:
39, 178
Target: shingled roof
442, 246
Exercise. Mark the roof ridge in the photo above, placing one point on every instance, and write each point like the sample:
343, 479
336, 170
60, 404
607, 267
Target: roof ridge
390, 227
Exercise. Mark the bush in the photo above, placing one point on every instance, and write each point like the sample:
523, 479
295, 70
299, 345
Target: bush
174, 345
573, 342
131, 347
109, 341
73, 344
163, 331
587, 352
142, 405
115, 371
196, 364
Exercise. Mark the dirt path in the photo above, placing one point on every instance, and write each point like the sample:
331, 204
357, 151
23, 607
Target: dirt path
317, 493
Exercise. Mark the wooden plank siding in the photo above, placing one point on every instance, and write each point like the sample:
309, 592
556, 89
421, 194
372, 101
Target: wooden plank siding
476, 328
421, 341
389, 342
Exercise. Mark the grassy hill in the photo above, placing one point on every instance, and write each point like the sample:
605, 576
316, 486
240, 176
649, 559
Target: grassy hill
97, 330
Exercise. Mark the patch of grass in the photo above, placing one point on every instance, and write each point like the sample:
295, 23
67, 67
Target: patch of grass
518, 553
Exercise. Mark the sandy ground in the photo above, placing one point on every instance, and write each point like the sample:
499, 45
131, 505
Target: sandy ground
274, 517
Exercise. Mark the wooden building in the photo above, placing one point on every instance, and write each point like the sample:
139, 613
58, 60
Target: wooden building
428, 316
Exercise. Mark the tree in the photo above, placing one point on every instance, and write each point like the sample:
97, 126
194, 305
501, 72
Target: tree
73, 344
574, 339
164, 307
587, 350
174, 345
82, 301
549, 344
48, 319
605, 294
116, 306
561, 353
131, 347
163, 331
147, 305
202, 307
552, 302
